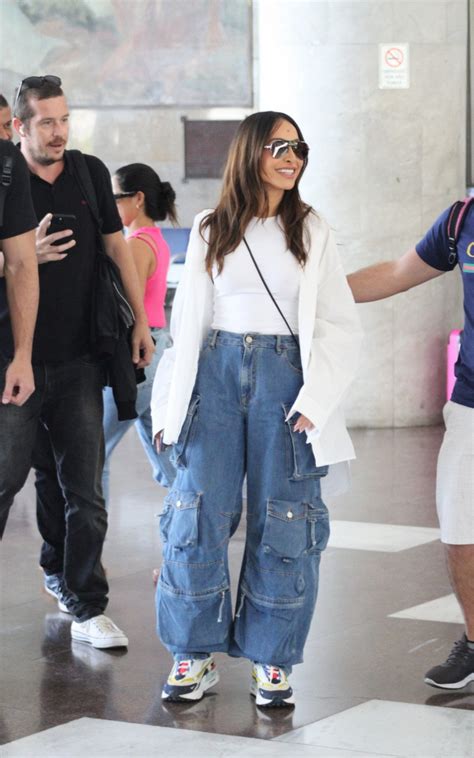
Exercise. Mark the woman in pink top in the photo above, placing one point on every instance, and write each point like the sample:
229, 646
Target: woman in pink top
142, 199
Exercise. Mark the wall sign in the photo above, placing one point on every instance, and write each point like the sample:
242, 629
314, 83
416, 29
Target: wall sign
394, 66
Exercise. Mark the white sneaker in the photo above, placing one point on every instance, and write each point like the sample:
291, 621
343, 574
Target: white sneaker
270, 686
190, 678
99, 631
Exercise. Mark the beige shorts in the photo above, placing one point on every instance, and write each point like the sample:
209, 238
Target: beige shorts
455, 476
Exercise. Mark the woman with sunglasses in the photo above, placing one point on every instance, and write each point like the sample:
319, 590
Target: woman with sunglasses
253, 385
142, 199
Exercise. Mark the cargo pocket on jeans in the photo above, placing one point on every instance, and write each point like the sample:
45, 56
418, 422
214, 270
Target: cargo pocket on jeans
179, 455
286, 530
179, 520
302, 464
192, 598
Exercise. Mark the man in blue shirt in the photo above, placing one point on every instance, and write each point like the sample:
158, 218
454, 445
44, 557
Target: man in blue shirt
454, 490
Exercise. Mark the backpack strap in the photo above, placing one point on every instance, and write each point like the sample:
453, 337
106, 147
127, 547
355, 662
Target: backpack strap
5, 181
456, 217
83, 176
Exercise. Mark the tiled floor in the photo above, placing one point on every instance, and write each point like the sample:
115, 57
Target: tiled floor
383, 618
442, 609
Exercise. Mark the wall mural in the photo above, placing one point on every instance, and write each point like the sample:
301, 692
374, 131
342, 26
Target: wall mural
126, 53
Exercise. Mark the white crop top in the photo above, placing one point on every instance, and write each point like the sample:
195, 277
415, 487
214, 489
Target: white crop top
241, 302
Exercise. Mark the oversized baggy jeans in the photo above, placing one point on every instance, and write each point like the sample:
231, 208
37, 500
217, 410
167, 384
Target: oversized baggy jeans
237, 425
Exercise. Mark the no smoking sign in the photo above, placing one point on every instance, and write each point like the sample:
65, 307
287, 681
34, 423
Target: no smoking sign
394, 67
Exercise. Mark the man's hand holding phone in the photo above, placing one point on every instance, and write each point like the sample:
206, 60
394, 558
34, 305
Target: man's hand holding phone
51, 235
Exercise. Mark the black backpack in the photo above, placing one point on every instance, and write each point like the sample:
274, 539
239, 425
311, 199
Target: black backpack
107, 272
112, 316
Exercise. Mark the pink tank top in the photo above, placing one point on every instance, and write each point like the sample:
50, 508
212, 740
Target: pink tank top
155, 290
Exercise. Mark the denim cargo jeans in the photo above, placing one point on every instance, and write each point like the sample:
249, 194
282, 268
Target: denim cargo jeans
236, 425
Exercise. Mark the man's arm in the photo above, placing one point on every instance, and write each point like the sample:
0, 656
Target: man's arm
21, 274
142, 343
390, 278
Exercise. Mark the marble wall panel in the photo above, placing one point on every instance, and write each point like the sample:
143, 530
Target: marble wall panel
438, 83
387, 162
456, 21
306, 22
370, 400
360, 22
443, 158
420, 337
420, 21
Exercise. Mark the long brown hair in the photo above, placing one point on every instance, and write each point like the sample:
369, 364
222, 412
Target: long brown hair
243, 194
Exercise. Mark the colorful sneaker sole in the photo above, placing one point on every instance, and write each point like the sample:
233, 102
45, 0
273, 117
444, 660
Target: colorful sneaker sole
267, 699
177, 694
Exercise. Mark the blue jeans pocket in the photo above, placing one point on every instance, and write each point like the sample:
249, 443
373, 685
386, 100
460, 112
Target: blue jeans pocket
179, 456
302, 464
285, 531
180, 518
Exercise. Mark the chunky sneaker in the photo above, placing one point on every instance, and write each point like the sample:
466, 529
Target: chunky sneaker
457, 670
99, 631
270, 686
54, 586
190, 678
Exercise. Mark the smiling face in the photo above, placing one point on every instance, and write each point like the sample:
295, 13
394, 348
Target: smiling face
280, 174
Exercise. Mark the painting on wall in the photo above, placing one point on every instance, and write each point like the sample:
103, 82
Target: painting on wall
132, 53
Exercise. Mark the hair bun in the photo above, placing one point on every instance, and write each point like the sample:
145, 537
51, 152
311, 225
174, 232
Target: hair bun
168, 191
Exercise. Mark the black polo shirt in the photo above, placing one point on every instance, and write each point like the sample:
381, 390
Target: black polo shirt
63, 324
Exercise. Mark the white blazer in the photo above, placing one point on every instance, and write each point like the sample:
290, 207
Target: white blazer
329, 333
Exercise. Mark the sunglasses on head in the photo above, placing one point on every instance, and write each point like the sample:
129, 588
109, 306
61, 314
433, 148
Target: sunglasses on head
280, 147
120, 195
34, 82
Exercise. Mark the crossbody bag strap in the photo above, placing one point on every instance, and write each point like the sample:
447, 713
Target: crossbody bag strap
86, 186
268, 290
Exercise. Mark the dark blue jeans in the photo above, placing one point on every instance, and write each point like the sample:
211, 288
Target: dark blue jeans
67, 402
236, 425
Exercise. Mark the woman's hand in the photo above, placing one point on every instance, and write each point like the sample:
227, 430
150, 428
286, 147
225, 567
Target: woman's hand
303, 424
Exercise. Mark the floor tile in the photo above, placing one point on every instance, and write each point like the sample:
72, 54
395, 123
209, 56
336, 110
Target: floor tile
94, 738
441, 609
385, 538
399, 729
